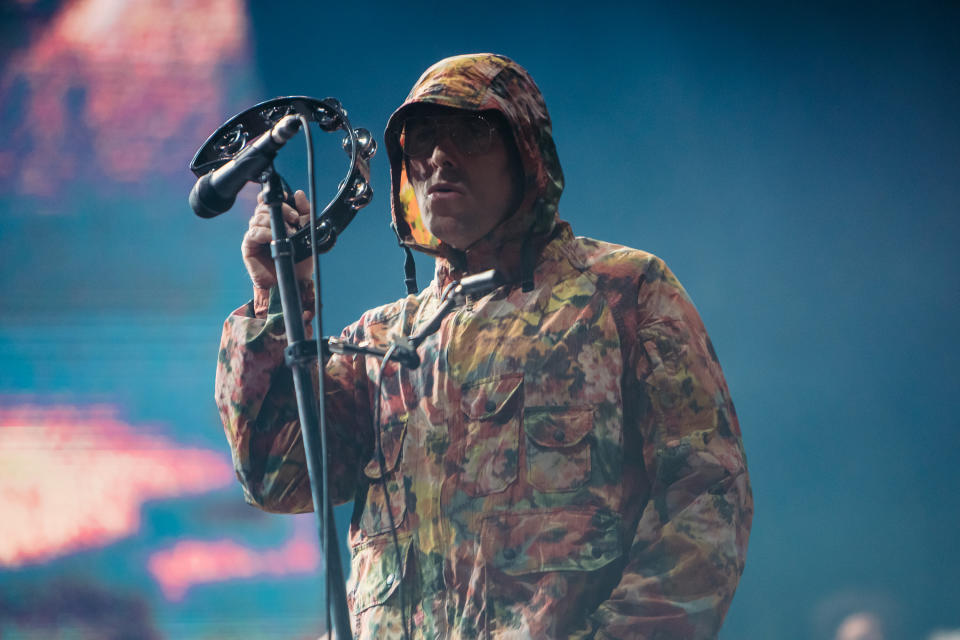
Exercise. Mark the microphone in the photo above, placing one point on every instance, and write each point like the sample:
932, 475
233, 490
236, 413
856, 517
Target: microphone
478, 284
215, 192
405, 348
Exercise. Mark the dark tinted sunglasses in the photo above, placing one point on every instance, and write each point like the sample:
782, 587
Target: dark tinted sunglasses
471, 134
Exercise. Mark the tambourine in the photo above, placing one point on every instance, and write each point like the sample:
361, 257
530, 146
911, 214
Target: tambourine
353, 193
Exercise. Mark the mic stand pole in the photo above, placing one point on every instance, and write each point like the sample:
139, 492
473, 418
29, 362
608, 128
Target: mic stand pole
300, 360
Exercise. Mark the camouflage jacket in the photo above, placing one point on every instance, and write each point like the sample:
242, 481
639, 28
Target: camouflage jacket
565, 463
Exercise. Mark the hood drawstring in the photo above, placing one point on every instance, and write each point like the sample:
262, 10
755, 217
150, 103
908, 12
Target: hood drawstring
409, 266
410, 272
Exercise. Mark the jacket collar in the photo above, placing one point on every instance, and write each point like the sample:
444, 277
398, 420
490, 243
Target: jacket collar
503, 252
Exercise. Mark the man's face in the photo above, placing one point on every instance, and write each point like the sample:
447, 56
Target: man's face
464, 173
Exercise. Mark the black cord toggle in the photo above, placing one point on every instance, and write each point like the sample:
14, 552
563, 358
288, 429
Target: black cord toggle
303, 352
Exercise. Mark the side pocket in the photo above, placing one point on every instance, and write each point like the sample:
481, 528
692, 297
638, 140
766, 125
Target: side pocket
491, 409
558, 449
532, 556
374, 583
544, 540
375, 519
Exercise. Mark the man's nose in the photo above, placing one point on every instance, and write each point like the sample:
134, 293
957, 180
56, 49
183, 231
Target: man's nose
444, 150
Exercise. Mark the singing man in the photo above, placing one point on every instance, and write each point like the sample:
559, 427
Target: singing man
566, 462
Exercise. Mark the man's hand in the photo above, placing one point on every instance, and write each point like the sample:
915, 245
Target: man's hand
256, 241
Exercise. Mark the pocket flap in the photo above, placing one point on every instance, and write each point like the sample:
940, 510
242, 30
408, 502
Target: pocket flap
551, 428
391, 439
376, 573
485, 398
550, 540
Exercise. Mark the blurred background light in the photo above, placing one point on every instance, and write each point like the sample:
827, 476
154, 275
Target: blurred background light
74, 478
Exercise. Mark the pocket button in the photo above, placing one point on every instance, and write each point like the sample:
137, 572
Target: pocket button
559, 435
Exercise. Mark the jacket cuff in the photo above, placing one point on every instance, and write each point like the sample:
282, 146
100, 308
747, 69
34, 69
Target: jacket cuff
266, 302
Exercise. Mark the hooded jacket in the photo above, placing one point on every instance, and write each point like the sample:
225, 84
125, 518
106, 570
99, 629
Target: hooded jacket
565, 463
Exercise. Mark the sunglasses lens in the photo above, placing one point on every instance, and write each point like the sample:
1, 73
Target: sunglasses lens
470, 134
416, 136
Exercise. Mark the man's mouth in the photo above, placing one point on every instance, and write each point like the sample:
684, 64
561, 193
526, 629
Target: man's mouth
444, 187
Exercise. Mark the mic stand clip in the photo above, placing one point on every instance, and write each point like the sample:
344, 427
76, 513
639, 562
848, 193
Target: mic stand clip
404, 348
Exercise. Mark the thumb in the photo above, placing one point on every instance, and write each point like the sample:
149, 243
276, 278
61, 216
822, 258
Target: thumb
303, 205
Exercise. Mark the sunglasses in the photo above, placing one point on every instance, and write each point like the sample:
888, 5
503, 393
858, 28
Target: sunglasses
471, 134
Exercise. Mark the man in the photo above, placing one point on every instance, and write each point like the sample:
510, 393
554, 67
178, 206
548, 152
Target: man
566, 462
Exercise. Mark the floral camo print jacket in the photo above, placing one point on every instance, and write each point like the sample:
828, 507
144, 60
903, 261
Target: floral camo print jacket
566, 463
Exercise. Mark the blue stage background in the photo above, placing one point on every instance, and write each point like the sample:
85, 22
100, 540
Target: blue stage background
797, 166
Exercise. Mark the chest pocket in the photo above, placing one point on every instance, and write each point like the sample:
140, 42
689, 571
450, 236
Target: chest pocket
491, 409
558, 447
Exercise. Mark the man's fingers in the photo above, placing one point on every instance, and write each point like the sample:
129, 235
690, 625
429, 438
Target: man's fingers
254, 239
261, 216
260, 219
290, 215
303, 205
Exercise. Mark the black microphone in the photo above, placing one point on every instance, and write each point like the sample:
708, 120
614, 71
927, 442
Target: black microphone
478, 284
216, 192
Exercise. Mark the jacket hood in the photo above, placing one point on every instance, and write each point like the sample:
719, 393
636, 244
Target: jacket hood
480, 82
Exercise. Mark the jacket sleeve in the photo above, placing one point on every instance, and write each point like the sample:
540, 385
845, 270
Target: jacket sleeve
689, 546
258, 407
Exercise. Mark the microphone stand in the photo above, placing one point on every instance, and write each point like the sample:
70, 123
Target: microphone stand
299, 358
300, 355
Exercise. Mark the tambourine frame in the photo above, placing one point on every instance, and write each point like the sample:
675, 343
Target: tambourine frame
353, 193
